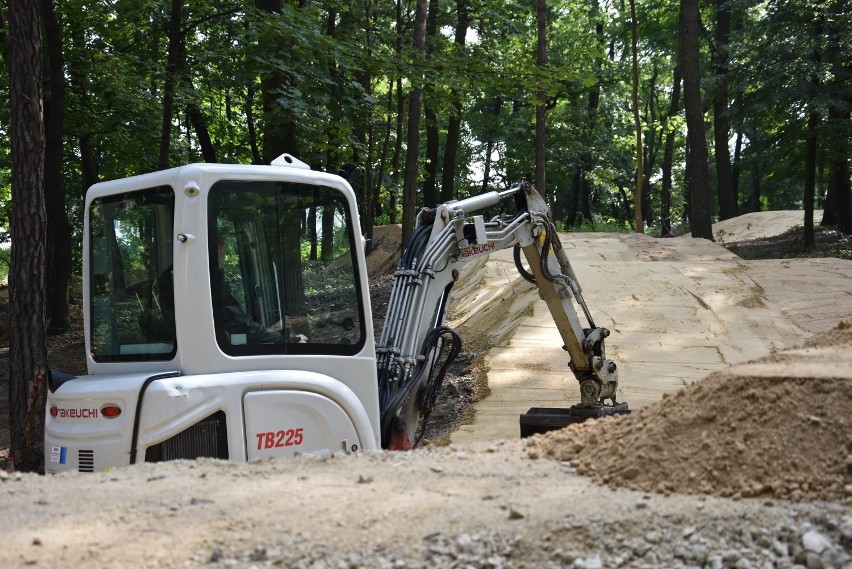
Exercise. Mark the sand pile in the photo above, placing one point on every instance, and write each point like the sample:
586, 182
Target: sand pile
763, 428
385, 249
759, 224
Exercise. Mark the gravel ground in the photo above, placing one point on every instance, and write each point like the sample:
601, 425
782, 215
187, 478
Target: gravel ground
483, 507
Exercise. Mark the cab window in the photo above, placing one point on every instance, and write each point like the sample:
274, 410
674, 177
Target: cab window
283, 269
131, 297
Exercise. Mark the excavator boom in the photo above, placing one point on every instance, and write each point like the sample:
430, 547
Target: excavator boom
416, 347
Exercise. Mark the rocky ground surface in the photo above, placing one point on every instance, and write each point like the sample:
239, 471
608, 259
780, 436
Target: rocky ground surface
750, 467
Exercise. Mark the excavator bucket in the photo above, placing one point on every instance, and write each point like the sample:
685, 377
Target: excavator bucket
543, 419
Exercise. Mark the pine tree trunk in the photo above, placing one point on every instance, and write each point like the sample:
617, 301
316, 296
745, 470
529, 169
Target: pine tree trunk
430, 192
699, 169
811, 139
724, 188
412, 155
541, 108
668, 149
637, 124
451, 147
27, 280
199, 125
279, 127
58, 228
174, 33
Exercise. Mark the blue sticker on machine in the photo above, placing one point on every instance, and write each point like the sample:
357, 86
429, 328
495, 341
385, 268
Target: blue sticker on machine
58, 455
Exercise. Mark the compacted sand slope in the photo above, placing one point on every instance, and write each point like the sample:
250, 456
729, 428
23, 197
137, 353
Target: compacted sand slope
678, 309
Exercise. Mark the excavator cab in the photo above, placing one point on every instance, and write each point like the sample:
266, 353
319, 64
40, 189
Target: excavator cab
227, 316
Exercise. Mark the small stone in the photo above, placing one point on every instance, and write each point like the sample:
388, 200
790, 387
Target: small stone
36, 541
780, 549
364, 479
591, 562
846, 528
515, 514
815, 542
813, 561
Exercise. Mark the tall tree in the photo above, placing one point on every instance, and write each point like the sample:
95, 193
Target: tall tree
27, 280
541, 107
175, 40
837, 209
279, 126
814, 119
637, 122
668, 150
724, 179
430, 167
58, 227
698, 170
415, 99
451, 146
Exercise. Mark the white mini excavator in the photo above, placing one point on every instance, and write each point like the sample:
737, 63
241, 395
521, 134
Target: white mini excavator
227, 315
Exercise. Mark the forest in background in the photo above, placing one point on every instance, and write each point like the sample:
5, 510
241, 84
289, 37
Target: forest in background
136, 86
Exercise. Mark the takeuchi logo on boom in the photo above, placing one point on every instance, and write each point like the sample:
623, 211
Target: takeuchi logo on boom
473, 250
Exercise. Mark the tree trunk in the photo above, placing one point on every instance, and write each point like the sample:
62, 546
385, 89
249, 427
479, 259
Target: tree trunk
397, 152
451, 146
754, 172
430, 193
838, 203
412, 154
172, 59
699, 169
88, 163
489, 145
584, 185
541, 107
28, 363
571, 217
811, 140
810, 180
400, 114
251, 127
637, 123
724, 187
199, 125
430, 166
651, 147
668, 150
279, 126
380, 175
735, 166
58, 228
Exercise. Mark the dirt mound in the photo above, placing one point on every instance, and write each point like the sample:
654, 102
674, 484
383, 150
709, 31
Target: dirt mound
759, 224
763, 428
385, 249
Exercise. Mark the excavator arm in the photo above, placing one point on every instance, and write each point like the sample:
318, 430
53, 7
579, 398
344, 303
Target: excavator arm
416, 347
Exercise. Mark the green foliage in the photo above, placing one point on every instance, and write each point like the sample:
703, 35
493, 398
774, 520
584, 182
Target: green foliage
600, 224
335, 87
5, 258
